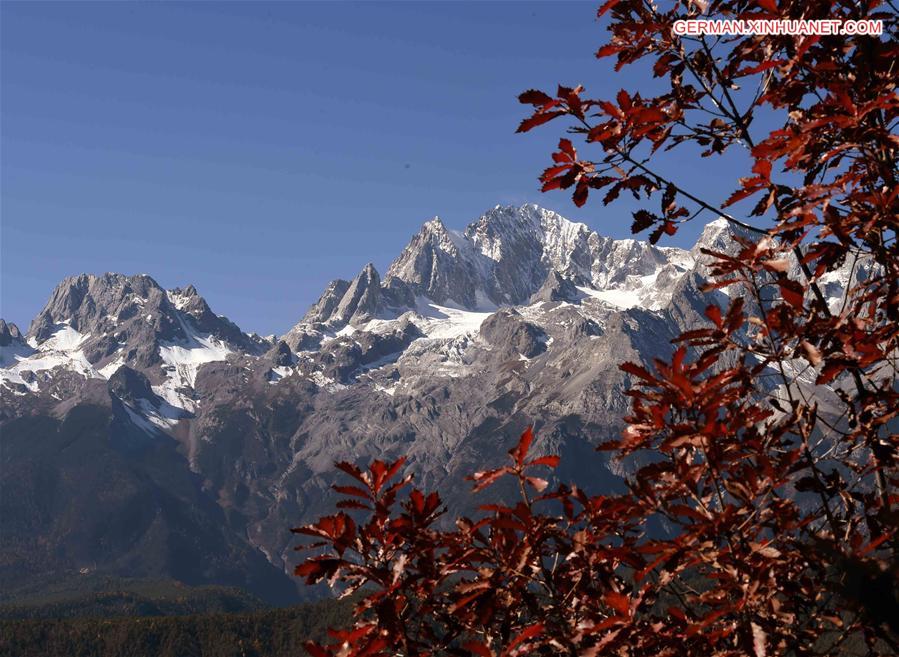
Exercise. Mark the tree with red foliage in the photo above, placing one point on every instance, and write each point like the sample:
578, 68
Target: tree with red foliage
781, 504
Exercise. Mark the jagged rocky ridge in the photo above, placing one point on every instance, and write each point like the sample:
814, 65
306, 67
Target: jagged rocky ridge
143, 434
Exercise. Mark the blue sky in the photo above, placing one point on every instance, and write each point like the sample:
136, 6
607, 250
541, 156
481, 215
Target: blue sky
260, 150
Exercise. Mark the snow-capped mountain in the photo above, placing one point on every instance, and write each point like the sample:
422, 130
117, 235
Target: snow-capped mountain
128, 401
93, 325
503, 259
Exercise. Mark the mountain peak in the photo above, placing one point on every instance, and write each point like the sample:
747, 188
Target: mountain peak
95, 323
188, 292
718, 235
327, 303
437, 263
504, 222
362, 299
505, 256
510, 255
9, 333
84, 300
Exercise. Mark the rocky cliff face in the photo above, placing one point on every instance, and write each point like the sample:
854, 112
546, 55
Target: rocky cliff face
199, 446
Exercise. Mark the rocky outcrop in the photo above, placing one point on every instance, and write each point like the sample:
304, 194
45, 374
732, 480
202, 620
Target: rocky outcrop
362, 300
507, 330
324, 308
556, 288
10, 334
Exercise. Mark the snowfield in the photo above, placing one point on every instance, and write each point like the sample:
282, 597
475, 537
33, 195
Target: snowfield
59, 350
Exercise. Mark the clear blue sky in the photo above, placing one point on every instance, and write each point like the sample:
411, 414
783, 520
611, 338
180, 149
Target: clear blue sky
260, 150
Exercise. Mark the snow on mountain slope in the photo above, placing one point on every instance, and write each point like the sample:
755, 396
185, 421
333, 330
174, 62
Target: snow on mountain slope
558, 274
186, 355
93, 325
437, 322
618, 298
445, 283
448, 322
181, 362
26, 364
430, 306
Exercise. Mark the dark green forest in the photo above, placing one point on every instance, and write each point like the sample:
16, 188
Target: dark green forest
129, 624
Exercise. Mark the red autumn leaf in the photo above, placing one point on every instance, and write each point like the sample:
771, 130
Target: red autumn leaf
759, 68
352, 490
606, 6
485, 478
740, 194
555, 183
378, 470
611, 110
392, 470
351, 470
876, 543
642, 221
607, 50
534, 97
637, 370
520, 451
793, 293
418, 500
649, 115
538, 119
619, 602
581, 192
763, 169
527, 634
831, 370
553, 172
551, 461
